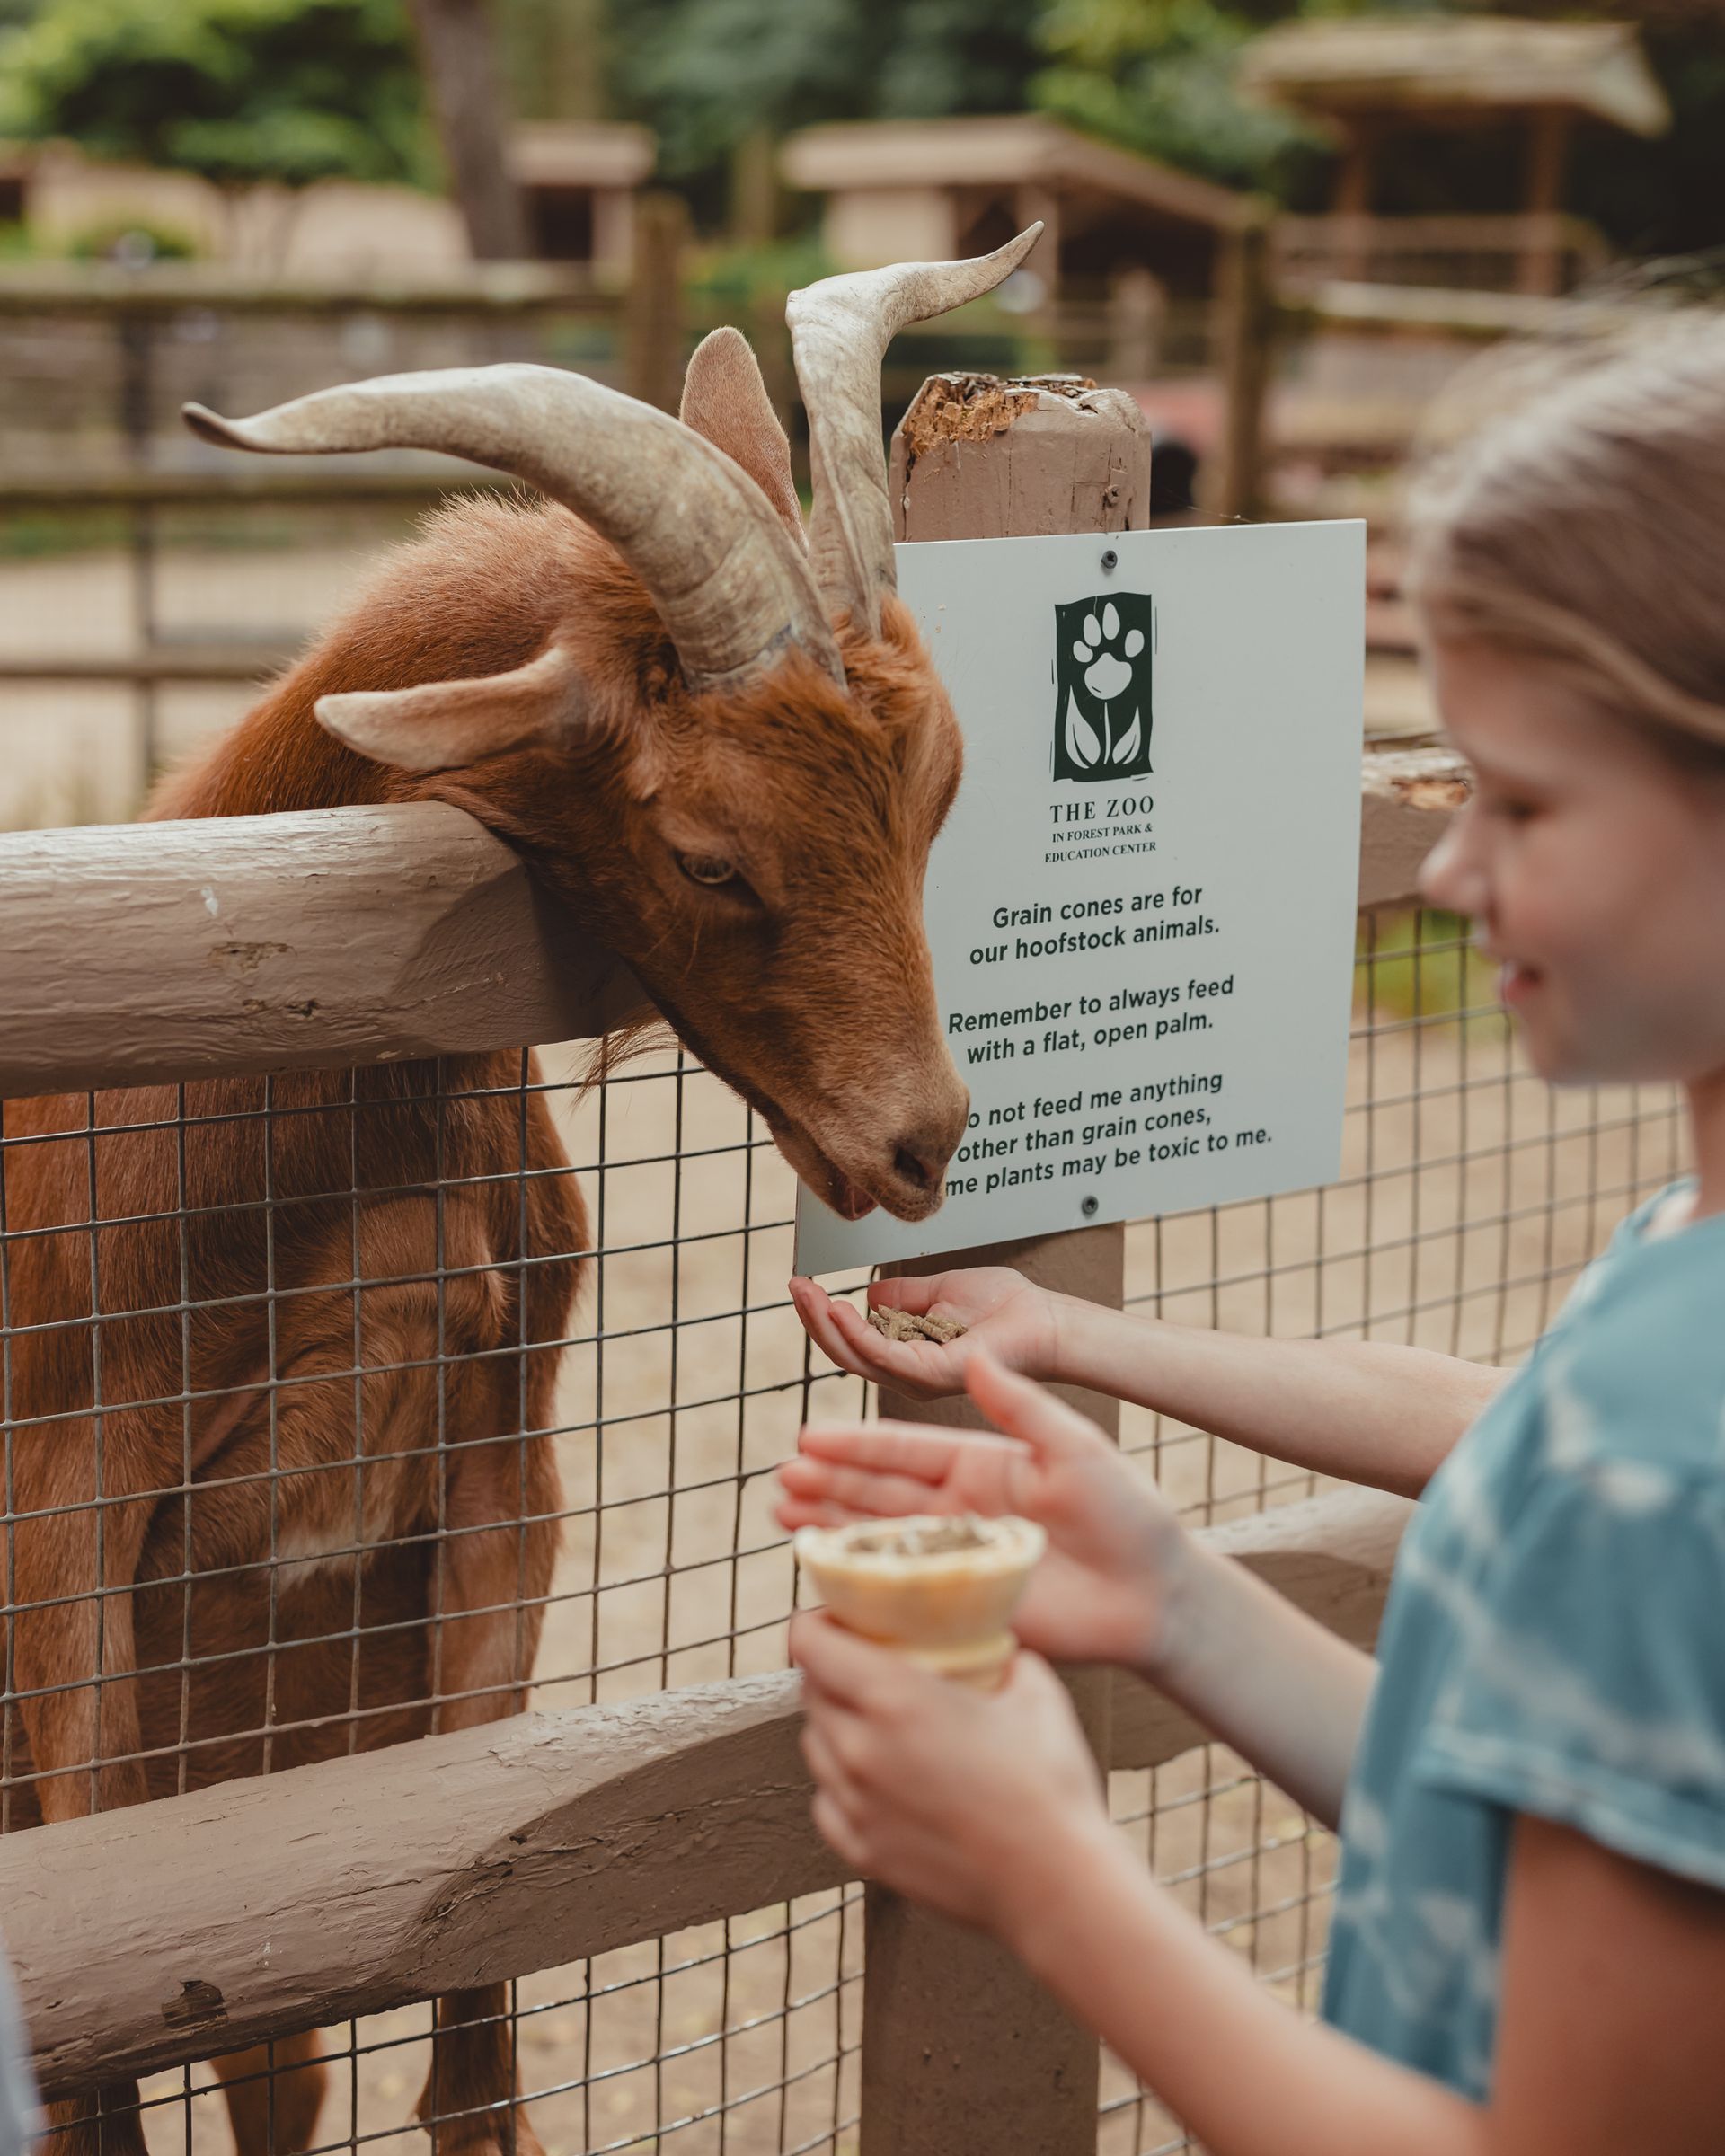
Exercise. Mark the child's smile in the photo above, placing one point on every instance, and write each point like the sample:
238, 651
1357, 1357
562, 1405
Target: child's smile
1593, 863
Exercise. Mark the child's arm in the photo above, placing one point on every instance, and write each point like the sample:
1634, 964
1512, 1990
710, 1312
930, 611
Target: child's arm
989, 1808
1122, 1581
1265, 1677
1367, 1410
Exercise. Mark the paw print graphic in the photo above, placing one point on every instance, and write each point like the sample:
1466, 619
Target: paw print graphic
1102, 678
1106, 670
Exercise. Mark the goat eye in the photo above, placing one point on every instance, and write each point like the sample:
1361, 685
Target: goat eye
711, 869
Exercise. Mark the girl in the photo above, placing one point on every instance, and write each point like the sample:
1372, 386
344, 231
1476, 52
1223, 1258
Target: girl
1528, 1950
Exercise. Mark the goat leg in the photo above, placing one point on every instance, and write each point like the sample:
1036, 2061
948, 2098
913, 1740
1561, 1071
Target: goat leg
274, 2092
104, 2121
83, 1509
468, 2105
491, 1575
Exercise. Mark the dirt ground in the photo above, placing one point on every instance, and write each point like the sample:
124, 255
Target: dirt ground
1469, 1196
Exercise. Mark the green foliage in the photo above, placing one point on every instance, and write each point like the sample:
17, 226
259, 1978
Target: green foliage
744, 276
237, 91
706, 72
1157, 76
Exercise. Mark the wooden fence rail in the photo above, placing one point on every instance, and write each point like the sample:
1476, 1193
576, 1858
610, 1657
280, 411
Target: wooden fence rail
203, 1924
234, 945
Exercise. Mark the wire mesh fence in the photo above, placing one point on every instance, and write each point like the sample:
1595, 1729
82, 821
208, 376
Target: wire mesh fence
285, 1330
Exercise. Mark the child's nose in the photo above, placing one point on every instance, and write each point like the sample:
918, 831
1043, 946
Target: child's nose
1451, 875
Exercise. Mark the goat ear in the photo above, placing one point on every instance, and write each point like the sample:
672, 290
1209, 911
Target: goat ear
725, 399
439, 724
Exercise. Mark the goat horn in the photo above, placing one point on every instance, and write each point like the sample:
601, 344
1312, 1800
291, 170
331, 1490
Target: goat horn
840, 329
728, 580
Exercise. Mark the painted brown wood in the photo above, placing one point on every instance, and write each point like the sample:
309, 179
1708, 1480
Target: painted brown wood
240, 662
165, 288
1246, 325
963, 2053
238, 944
654, 335
203, 1924
407, 484
1407, 798
1080, 459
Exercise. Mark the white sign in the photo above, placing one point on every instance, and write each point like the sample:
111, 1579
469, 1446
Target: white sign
1141, 908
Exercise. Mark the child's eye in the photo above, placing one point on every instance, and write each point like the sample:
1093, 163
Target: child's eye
1509, 810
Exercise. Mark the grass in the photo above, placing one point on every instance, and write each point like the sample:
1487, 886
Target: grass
1420, 963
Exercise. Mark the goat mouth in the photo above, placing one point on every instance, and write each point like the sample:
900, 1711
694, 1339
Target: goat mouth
848, 1198
840, 1191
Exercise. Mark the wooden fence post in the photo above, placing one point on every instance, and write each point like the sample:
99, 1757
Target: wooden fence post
653, 309
963, 2053
1245, 333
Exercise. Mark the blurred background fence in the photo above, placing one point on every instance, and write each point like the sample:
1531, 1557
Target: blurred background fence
153, 582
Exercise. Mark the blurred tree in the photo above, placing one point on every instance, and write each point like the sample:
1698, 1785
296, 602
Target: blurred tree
707, 75
1666, 194
240, 92
461, 73
556, 55
717, 79
1157, 76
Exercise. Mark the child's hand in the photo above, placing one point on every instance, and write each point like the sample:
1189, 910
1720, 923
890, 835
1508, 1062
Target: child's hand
1003, 1313
971, 1802
1116, 1553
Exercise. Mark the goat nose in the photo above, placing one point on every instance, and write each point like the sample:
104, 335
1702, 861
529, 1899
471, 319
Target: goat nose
929, 1137
917, 1164
920, 1156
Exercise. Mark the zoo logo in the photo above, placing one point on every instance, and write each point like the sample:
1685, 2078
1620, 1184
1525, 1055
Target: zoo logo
1104, 648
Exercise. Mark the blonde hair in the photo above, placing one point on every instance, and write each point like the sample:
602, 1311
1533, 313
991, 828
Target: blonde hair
1584, 525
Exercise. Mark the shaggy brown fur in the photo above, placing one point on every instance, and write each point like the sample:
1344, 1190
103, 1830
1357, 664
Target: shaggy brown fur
281, 1388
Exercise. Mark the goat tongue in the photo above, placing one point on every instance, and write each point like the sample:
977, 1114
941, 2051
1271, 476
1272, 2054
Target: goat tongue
853, 1203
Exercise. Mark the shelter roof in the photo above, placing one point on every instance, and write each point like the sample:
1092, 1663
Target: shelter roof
1016, 149
562, 153
1410, 65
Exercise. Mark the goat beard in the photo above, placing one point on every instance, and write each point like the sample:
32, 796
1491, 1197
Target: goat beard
824, 1177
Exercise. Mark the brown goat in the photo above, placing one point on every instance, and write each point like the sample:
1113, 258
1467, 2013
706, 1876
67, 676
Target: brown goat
282, 1384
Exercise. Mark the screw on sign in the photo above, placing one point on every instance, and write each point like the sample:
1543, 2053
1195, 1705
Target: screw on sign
1103, 653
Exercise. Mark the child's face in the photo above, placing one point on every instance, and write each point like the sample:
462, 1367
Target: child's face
1595, 870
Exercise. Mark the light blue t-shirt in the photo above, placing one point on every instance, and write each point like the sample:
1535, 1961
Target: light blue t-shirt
20, 2120
1553, 1643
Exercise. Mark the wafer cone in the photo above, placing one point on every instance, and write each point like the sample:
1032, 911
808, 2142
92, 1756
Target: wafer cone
941, 1590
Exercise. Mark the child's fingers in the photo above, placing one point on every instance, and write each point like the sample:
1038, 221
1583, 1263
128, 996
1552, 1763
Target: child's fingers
852, 1672
890, 1448
1026, 1410
854, 1344
836, 1828
825, 1765
815, 1307
791, 1513
860, 1489
905, 1291
925, 1362
902, 1448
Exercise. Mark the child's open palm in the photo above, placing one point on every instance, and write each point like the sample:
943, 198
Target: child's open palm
1100, 1594
1004, 1314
